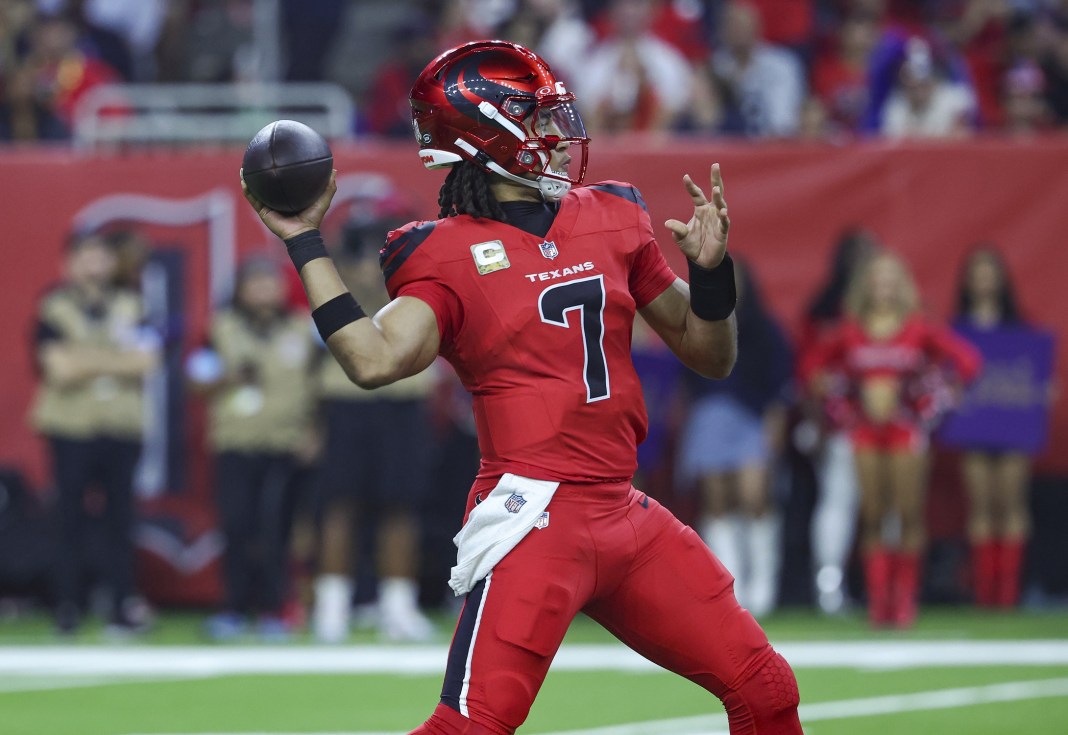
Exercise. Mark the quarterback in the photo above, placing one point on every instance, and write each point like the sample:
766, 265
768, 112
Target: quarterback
528, 284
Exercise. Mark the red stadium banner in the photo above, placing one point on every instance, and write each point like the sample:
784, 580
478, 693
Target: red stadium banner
930, 202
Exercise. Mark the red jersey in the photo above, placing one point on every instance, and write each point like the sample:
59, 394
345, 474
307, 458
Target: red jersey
539, 328
909, 356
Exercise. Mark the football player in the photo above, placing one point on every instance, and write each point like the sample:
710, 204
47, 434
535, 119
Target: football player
528, 285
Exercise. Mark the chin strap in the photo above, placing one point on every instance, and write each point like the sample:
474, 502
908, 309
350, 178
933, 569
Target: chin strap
552, 190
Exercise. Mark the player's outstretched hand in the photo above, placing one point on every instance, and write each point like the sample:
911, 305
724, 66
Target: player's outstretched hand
291, 225
704, 238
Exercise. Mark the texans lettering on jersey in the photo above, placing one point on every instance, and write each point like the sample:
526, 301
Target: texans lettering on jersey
539, 328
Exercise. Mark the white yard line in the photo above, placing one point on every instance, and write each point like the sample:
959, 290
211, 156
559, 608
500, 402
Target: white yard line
817, 712
44, 683
205, 661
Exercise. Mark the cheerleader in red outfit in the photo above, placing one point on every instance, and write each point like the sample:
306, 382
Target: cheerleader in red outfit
893, 372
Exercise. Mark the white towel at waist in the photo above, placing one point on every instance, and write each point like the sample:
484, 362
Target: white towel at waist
496, 525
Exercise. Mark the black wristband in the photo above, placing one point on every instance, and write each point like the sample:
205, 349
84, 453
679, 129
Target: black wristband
712, 290
305, 247
336, 313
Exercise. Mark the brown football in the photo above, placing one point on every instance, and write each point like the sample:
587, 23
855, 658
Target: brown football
287, 166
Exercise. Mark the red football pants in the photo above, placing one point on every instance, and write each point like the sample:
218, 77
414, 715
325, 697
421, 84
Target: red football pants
619, 556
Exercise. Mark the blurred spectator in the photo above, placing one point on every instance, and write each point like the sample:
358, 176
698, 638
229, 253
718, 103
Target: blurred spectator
789, 23
981, 32
62, 72
1054, 62
834, 517
16, 16
684, 24
170, 52
26, 115
99, 41
556, 30
730, 446
924, 105
1026, 111
633, 81
840, 74
138, 23
996, 471
218, 42
256, 373
815, 123
460, 21
894, 364
764, 85
311, 26
375, 462
93, 353
388, 110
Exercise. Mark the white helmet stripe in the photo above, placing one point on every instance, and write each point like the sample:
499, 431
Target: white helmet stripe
494, 114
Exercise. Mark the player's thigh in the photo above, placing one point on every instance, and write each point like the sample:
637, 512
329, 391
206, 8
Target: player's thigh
676, 606
514, 620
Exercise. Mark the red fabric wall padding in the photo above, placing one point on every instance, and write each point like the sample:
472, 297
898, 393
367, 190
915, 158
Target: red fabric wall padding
788, 203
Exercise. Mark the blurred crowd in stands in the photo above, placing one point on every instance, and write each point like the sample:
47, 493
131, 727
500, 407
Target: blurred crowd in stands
810, 69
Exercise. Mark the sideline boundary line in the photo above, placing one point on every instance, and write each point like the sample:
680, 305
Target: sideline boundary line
205, 661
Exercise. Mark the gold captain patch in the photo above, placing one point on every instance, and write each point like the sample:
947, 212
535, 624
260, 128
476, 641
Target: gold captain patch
490, 256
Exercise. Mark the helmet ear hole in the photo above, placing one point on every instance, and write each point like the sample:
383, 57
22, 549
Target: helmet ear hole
519, 108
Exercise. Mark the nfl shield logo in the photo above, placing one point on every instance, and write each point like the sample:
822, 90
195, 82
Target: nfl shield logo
514, 503
548, 249
543, 520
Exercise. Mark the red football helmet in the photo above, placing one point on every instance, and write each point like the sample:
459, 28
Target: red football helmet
501, 106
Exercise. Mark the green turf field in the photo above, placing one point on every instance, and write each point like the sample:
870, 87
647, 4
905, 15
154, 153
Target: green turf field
959, 671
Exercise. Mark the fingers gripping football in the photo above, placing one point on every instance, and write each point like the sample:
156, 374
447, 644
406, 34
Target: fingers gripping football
286, 226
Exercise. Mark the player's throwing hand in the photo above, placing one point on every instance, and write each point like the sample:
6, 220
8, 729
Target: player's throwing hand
704, 238
288, 226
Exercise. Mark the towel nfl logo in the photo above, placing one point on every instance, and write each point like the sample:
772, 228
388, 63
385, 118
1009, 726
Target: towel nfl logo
548, 249
514, 503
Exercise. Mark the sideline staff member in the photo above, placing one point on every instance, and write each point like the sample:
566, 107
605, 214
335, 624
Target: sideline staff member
260, 419
93, 353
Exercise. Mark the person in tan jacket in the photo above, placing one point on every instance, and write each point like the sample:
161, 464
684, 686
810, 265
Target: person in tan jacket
93, 352
256, 373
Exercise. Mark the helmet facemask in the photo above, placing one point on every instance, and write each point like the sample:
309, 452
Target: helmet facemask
541, 126
551, 125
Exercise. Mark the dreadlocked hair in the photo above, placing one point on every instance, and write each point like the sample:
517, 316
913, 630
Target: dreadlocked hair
467, 191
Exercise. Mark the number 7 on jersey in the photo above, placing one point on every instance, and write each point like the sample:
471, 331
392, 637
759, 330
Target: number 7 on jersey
588, 295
